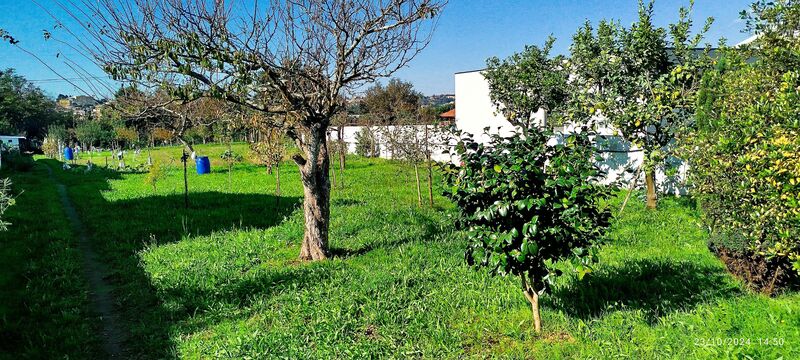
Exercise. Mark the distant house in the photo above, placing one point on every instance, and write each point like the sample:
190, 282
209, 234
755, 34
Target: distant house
447, 117
80, 105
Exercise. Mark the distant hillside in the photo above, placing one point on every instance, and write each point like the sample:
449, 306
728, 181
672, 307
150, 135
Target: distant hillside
436, 100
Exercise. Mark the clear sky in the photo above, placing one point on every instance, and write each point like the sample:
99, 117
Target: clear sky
469, 32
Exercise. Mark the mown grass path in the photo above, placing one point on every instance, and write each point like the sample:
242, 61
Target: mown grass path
95, 272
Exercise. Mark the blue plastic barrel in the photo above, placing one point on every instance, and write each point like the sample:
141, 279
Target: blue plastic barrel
68, 154
203, 165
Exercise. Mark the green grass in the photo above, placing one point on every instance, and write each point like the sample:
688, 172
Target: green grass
222, 278
167, 155
44, 310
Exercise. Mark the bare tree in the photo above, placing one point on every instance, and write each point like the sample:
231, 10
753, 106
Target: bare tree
160, 110
268, 148
283, 57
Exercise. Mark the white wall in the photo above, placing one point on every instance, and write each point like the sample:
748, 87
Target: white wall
475, 111
474, 108
438, 145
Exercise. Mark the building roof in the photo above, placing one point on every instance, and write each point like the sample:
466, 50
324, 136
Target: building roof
449, 114
747, 41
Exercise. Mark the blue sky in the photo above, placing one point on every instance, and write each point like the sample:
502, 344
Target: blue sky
469, 32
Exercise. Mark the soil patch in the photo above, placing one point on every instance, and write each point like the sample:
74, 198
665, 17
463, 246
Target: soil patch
769, 276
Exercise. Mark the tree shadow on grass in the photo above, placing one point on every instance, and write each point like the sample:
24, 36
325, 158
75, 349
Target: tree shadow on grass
119, 230
426, 225
656, 288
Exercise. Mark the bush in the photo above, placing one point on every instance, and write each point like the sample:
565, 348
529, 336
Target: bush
525, 204
366, 143
17, 161
50, 147
745, 148
6, 201
155, 173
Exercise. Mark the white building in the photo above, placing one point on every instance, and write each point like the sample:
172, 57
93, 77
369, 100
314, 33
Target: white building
474, 108
475, 111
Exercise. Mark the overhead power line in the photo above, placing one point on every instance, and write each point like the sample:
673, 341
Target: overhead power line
84, 79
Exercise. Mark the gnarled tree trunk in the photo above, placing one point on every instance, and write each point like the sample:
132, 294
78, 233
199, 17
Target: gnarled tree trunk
317, 196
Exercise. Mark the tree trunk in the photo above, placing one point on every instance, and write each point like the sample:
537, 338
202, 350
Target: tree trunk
314, 174
185, 158
342, 150
419, 186
430, 182
230, 161
333, 173
278, 185
430, 165
650, 179
533, 297
631, 187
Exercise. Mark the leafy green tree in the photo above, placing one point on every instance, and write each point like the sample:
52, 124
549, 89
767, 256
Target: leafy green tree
744, 149
525, 204
155, 173
24, 108
89, 133
527, 82
391, 104
642, 80
126, 137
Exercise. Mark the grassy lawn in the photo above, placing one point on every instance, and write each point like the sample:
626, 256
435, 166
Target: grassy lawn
44, 310
166, 155
222, 278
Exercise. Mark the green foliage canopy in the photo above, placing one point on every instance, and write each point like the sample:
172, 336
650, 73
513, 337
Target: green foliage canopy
525, 204
744, 147
25, 109
642, 79
526, 82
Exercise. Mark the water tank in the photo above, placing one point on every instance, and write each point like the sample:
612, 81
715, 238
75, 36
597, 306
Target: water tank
68, 154
203, 165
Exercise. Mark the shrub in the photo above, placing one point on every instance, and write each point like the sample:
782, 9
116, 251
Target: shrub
50, 147
6, 201
366, 143
18, 161
154, 175
525, 204
744, 148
